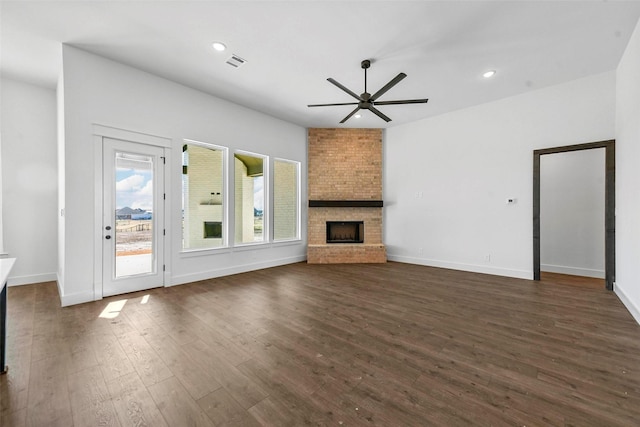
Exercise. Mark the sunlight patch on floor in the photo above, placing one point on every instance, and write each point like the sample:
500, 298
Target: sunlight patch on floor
113, 309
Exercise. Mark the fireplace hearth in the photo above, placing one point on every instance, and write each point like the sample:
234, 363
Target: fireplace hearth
345, 231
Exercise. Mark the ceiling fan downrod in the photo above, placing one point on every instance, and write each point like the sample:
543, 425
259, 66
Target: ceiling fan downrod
365, 65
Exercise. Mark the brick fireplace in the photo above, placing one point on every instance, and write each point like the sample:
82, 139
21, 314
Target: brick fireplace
345, 187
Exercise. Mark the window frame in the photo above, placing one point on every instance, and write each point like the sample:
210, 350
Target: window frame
225, 245
298, 219
266, 212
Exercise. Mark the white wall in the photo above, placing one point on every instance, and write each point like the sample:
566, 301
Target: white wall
447, 178
3, 254
572, 213
100, 91
29, 181
61, 180
627, 284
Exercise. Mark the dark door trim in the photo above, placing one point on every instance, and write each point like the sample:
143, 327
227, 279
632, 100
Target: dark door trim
609, 204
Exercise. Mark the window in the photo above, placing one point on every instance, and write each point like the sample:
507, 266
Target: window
250, 224
203, 196
286, 184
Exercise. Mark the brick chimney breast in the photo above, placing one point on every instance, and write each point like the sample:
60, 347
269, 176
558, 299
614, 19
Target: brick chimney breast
345, 165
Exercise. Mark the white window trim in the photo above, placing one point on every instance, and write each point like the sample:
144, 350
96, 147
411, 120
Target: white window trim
299, 198
99, 132
225, 201
266, 229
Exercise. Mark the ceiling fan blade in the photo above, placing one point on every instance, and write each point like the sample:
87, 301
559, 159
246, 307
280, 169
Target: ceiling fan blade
332, 105
350, 114
377, 112
388, 86
344, 89
404, 101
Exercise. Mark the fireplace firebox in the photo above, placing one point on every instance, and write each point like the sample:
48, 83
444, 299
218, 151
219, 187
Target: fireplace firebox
345, 231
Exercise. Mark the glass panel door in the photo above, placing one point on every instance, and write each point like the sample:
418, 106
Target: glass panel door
133, 220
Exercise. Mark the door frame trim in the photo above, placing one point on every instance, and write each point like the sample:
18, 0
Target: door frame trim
99, 132
609, 207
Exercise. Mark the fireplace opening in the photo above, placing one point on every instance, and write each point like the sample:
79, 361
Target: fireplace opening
345, 231
212, 230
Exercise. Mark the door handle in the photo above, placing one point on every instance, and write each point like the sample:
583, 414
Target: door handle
107, 237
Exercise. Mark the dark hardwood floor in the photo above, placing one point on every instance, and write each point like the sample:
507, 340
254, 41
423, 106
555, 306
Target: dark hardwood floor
343, 345
570, 280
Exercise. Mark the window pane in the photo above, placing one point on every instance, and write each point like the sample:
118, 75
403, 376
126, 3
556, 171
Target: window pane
134, 214
285, 200
202, 197
249, 198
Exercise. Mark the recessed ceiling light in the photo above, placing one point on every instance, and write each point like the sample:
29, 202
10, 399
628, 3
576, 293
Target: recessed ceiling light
219, 46
489, 73
357, 116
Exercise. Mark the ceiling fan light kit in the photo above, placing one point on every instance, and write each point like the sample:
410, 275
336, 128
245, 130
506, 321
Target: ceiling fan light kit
366, 101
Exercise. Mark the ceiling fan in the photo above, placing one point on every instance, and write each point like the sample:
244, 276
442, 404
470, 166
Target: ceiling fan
366, 101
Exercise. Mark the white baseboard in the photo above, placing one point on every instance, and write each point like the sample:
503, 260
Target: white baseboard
484, 269
633, 308
31, 279
77, 298
573, 271
73, 299
188, 278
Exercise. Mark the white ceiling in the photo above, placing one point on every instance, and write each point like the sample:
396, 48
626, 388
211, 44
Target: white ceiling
292, 47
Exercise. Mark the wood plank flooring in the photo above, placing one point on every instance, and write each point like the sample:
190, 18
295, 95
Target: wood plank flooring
337, 345
570, 280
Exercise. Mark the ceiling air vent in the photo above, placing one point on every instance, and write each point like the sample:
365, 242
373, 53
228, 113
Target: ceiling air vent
235, 61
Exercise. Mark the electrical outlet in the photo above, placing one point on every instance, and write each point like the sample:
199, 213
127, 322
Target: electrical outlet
420, 251
487, 258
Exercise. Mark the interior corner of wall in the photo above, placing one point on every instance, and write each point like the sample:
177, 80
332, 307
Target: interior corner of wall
60, 284
631, 306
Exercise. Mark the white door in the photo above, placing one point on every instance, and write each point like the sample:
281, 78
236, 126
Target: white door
133, 217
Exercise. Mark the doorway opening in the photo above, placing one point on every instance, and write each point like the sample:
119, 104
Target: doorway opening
609, 205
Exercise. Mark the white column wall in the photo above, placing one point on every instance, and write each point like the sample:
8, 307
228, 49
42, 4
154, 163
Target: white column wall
29, 181
61, 181
627, 285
